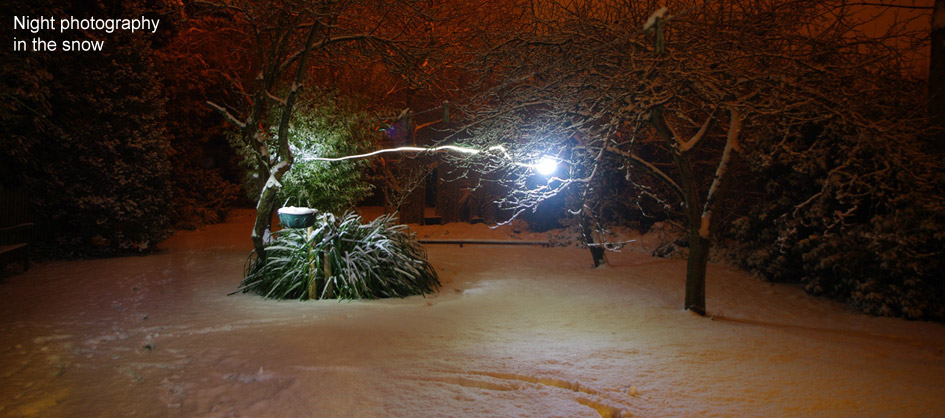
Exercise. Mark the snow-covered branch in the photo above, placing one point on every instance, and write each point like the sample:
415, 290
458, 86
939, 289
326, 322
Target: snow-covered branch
652, 169
227, 115
722, 172
686, 146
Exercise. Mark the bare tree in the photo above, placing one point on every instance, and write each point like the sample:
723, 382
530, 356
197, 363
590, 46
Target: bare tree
679, 95
280, 39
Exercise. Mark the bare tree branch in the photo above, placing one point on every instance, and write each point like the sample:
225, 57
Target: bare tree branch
227, 115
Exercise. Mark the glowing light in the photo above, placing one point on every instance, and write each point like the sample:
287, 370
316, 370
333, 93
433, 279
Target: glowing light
463, 150
546, 166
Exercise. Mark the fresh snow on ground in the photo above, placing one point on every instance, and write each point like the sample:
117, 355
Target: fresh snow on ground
515, 332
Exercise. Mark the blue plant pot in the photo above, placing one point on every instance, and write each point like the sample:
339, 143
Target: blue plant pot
293, 217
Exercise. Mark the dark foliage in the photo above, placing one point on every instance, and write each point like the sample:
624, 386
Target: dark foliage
201, 196
204, 169
856, 217
86, 137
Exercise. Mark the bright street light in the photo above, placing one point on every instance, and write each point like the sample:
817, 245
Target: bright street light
546, 166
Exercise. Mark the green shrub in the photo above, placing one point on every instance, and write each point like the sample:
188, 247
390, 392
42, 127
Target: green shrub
325, 125
344, 259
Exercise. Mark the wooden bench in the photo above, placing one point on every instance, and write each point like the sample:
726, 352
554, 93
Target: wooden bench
15, 227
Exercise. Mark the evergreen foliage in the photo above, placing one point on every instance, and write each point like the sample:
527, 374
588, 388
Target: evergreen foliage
89, 139
855, 217
332, 127
205, 172
345, 259
324, 126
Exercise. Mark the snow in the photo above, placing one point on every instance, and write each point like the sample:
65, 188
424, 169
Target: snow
292, 210
515, 331
704, 223
658, 14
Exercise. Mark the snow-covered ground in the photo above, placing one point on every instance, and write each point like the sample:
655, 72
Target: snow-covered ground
514, 332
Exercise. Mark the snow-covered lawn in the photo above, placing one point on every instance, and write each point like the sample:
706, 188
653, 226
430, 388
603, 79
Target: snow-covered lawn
515, 331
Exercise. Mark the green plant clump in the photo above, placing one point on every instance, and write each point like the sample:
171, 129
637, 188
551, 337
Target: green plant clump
325, 125
344, 259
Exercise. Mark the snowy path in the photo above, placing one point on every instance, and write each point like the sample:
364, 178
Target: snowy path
515, 331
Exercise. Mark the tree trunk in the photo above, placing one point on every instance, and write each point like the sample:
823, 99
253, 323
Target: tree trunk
937, 74
597, 251
266, 208
695, 271
586, 218
264, 211
267, 198
698, 246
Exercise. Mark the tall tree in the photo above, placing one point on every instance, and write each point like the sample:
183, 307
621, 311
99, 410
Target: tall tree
280, 41
679, 95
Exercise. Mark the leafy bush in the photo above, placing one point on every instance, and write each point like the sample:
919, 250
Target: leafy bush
201, 197
90, 144
325, 125
859, 218
204, 175
344, 259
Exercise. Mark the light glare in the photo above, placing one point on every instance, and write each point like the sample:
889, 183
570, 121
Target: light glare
546, 166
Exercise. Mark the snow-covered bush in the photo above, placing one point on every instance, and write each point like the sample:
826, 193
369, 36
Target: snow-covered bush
856, 217
345, 259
